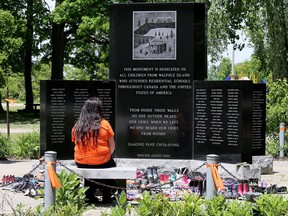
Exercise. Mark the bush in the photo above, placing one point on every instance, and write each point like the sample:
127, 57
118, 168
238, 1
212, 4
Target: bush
271, 204
70, 198
277, 103
266, 204
272, 145
27, 146
4, 146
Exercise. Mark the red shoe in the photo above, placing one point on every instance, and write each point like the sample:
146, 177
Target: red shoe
10, 179
4, 180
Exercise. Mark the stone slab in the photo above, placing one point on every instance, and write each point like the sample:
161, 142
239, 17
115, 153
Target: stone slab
264, 162
248, 171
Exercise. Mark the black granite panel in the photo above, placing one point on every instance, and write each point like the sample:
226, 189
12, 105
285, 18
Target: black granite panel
61, 103
222, 120
258, 119
153, 54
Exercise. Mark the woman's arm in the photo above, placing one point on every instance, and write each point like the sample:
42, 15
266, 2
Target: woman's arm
111, 143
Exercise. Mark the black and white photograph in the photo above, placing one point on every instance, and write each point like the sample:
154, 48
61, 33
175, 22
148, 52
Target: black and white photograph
154, 35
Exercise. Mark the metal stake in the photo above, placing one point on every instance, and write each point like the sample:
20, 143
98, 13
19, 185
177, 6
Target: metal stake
210, 186
282, 138
49, 192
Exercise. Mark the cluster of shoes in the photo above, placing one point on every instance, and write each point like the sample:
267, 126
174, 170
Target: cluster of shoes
173, 184
26, 184
7, 179
263, 187
236, 189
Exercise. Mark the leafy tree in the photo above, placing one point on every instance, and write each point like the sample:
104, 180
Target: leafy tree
72, 73
224, 69
267, 25
277, 103
212, 72
40, 71
9, 43
250, 68
85, 38
26, 15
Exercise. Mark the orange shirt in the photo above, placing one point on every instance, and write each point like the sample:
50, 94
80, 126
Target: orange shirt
94, 154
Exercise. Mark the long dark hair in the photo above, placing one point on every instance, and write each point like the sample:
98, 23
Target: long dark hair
88, 123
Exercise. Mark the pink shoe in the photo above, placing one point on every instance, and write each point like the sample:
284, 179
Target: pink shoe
240, 188
245, 187
139, 174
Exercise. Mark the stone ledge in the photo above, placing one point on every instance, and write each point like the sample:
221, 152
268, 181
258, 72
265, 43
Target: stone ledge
106, 173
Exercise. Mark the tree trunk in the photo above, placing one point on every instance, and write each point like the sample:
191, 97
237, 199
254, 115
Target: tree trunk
58, 47
1, 107
28, 56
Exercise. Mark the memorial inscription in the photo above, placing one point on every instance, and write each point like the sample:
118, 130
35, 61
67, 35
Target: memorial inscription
219, 119
258, 119
154, 85
61, 103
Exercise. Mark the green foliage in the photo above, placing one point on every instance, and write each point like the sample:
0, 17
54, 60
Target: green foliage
248, 68
70, 198
72, 73
70, 192
87, 35
239, 208
4, 146
272, 145
271, 204
27, 146
122, 207
216, 206
191, 204
268, 30
40, 72
9, 43
16, 87
277, 103
224, 69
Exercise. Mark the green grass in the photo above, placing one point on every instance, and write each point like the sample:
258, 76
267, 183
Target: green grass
23, 141
18, 119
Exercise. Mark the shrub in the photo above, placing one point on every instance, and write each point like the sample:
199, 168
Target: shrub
277, 103
273, 145
271, 204
70, 198
27, 145
4, 146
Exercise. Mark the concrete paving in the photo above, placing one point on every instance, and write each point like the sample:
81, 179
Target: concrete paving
10, 200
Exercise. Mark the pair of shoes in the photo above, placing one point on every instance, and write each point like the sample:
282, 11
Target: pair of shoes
152, 173
281, 189
7, 179
30, 192
183, 170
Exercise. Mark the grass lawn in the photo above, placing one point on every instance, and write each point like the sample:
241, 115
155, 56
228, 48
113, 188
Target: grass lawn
19, 120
